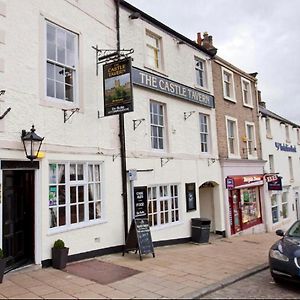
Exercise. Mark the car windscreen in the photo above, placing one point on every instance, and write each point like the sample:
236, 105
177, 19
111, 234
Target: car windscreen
294, 231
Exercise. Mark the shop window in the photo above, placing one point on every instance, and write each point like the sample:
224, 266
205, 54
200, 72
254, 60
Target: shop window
204, 133
74, 194
163, 204
153, 51
284, 201
61, 63
250, 204
275, 208
246, 92
157, 125
200, 69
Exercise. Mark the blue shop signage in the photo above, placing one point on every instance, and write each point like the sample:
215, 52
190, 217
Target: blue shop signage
170, 87
285, 147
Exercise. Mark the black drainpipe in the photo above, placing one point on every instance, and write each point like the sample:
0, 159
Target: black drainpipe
122, 136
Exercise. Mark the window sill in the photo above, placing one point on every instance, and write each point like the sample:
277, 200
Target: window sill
201, 88
229, 99
165, 226
268, 136
55, 103
67, 228
159, 71
248, 105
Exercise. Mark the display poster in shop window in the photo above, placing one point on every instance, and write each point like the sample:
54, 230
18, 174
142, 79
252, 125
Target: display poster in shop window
139, 238
117, 86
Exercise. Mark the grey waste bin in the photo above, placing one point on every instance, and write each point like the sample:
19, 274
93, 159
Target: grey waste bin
200, 230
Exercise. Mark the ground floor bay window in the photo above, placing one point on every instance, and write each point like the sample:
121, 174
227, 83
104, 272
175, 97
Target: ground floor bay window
74, 194
163, 204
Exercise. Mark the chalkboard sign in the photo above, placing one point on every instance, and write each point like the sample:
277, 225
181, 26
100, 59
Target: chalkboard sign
190, 193
140, 202
139, 238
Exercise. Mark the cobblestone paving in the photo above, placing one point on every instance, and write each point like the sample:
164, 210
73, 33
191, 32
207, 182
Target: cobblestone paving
260, 285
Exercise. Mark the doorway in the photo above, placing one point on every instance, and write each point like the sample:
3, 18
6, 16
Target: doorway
18, 217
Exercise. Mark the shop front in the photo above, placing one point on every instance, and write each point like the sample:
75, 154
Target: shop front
244, 199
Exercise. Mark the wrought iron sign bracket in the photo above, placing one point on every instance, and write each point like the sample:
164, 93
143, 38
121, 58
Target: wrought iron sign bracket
188, 114
106, 55
137, 123
72, 111
164, 160
211, 161
5, 113
115, 156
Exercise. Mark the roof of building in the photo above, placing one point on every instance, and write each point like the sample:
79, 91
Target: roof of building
169, 30
267, 113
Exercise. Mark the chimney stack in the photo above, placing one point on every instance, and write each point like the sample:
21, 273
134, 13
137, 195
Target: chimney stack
199, 38
260, 102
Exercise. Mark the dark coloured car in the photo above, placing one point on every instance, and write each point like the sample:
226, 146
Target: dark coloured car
284, 255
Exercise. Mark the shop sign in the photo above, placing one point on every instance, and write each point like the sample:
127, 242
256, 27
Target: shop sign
170, 87
229, 183
190, 194
285, 147
117, 86
243, 181
274, 182
140, 202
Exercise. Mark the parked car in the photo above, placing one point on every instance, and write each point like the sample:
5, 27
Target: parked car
284, 255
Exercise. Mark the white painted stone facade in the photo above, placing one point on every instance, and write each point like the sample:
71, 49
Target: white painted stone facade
290, 182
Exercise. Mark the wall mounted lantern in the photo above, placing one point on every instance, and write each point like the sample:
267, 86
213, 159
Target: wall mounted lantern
32, 143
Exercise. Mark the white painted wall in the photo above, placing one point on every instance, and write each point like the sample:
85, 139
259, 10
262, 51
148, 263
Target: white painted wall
281, 165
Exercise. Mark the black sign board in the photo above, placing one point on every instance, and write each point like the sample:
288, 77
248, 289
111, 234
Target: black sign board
117, 85
140, 202
190, 193
139, 238
274, 183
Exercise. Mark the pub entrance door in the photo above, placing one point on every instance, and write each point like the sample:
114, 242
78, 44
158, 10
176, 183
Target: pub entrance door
235, 211
18, 217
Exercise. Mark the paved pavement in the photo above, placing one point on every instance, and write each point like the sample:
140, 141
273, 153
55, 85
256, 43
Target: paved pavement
179, 271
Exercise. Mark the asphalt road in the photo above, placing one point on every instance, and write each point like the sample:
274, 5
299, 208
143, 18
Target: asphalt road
260, 285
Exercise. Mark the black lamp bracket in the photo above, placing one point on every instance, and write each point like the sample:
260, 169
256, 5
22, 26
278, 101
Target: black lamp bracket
71, 113
211, 161
137, 123
115, 156
107, 55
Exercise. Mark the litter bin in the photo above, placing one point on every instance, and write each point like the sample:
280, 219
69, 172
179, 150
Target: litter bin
200, 230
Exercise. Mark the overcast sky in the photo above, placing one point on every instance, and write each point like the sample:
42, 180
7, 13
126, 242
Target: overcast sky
256, 35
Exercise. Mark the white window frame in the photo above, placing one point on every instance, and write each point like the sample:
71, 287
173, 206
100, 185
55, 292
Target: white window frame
206, 133
271, 163
298, 136
73, 183
287, 133
53, 100
231, 83
291, 171
237, 143
284, 202
276, 204
268, 128
202, 71
249, 92
159, 203
155, 126
251, 154
157, 50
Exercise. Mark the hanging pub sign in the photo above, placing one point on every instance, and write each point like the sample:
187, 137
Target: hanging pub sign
274, 182
140, 202
190, 194
117, 86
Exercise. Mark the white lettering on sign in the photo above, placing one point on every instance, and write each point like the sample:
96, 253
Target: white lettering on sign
271, 178
249, 179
